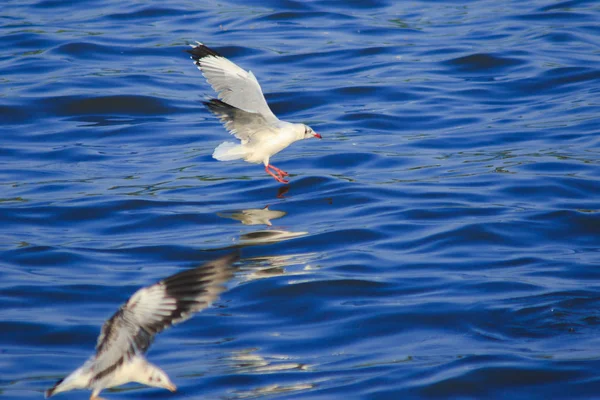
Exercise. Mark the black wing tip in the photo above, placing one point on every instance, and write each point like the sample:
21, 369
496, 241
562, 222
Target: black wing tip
232, 257
217, 106
226, 261
200, 51
216, 103
186, 286
186, 278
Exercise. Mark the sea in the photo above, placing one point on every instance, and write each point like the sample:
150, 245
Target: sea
442, 241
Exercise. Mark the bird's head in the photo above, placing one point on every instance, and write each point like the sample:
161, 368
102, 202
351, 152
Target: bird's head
156, 377
309, 133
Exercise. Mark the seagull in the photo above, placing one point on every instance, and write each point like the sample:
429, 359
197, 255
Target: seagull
243, 110
126, 336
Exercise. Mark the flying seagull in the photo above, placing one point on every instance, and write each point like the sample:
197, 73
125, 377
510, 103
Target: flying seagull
243, 110
126, 336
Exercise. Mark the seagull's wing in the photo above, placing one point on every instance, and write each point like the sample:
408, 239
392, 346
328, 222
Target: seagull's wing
129, 332
234, 85
242, 124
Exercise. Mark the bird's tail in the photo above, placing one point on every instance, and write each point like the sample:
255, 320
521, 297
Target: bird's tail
228, 151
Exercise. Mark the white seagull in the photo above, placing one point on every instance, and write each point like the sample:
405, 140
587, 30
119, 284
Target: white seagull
243, 110
126, 336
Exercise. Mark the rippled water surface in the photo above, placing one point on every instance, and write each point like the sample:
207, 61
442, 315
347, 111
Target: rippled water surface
441, 241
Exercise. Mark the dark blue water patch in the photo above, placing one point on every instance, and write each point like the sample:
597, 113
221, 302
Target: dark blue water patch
271, 5
555, 16
13, 115
367, 91
36, 256
441, 213
359, 5
362, 96
548, 314
564, 221
349, 160
592, 29
554, 81
334, 288
22, 333
123, 214
316, 57
114, 105
339, 238
463, 381
450, 242
32, 67
568, 188
569, 5
237, 53
562, 168
54, 4
121, 251
109, 121
90, 51
398, 320
163, 222
482, 63
303, 16
562, 37
288, 106
147, 13
375, 121
355, 263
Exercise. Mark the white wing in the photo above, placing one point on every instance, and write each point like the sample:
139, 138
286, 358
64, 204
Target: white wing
243, 125
235, 86
150, 310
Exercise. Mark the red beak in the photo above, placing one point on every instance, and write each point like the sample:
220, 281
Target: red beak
318, 136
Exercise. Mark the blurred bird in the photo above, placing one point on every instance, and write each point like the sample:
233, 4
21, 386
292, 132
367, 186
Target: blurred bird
126, 336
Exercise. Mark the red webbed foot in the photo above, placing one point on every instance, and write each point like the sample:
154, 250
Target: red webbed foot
278, 178
279, 171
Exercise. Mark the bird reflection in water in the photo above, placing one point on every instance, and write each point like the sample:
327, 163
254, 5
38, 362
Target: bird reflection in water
271, 265
268, 236
282, 191
254, 216
261, 216
273, 389
248, 362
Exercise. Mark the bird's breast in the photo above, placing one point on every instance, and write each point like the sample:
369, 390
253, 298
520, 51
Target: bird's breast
267, 147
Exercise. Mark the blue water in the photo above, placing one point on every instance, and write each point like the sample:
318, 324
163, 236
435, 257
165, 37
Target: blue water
442, 240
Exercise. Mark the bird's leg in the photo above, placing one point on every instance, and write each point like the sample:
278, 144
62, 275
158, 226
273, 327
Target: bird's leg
280, 172
273, 168
95, 394
277, 178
